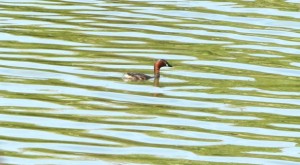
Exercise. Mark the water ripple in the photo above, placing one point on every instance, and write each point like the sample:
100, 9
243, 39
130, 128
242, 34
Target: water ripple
232, 95
257, 68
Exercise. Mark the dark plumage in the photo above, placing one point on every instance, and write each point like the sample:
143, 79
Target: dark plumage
136, 76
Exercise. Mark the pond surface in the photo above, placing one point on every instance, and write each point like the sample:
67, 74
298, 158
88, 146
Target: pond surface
232, 97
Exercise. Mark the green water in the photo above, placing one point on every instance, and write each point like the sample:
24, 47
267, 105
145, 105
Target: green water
231, 97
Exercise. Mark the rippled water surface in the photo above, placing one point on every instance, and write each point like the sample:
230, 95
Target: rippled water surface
232, 97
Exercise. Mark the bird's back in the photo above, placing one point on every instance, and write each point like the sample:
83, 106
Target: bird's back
136, 76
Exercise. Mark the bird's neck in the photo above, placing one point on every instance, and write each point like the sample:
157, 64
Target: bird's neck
156, 71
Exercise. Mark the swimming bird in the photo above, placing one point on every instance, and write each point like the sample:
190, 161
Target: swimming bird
131, 76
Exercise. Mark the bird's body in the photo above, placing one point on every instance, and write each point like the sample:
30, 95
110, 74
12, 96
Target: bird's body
136, 76
131, 76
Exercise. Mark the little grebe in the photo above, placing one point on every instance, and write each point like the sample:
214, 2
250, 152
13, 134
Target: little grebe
140, 76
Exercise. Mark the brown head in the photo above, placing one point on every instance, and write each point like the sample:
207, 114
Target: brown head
158, 64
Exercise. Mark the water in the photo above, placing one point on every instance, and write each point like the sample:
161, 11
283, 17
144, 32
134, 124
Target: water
232, 97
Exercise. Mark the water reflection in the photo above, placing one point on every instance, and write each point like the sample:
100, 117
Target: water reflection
156, 82
233, 96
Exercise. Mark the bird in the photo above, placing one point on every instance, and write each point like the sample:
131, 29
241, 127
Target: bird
131, 76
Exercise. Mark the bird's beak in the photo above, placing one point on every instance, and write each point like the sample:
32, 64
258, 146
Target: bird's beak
169, 65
